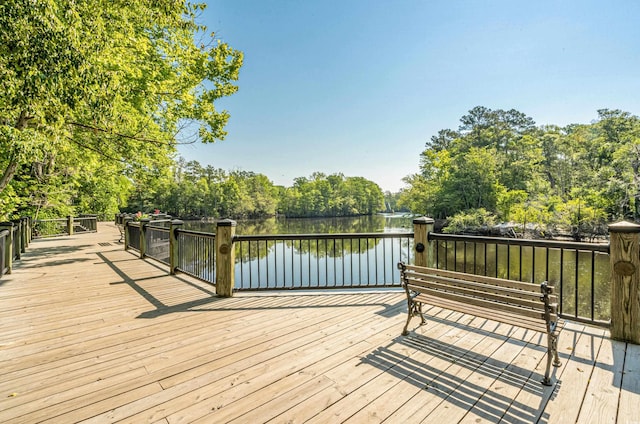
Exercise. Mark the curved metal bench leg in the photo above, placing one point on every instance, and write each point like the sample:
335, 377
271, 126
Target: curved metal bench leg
413, 309
554, 345
552, 357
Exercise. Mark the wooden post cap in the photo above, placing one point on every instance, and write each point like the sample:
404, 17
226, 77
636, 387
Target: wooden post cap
226, 223
624, 227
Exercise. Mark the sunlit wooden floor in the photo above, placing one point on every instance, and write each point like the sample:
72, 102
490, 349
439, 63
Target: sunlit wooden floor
89, 332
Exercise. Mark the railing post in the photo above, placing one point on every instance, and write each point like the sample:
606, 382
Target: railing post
23, 234
144, 222
225, 257
423, 249
17, 252
70, 225
27, 230
125, 222
8, 248
174, 250
624, 254
29, 235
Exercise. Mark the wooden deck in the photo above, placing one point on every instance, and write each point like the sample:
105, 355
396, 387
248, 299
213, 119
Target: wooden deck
89, 332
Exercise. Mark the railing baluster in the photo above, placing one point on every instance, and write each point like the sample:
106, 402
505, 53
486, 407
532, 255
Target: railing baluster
593, 288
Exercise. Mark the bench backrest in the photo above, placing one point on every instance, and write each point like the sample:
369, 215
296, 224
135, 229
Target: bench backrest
515, 297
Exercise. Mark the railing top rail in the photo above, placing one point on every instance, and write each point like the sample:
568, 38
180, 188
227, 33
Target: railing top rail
161, 229
196, 233
552, 244
323, 236
52, 220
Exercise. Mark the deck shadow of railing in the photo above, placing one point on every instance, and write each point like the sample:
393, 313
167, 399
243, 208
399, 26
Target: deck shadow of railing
161, 308
200, 305
489, 405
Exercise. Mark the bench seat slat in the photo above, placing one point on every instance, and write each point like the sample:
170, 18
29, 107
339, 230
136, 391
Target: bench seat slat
515, 309
504, 295
482, 312
490, 288
532, 287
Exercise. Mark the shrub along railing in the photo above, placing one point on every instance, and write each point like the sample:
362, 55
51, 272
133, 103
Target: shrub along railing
596, 283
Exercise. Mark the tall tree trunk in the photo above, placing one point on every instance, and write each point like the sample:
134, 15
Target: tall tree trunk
12, 166
9, 172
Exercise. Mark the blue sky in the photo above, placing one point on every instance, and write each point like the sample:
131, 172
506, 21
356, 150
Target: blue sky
359, 87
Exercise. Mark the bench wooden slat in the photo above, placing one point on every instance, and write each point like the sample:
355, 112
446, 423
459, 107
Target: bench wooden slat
532, 287
490, 288
529, 300
482, 302
481, 312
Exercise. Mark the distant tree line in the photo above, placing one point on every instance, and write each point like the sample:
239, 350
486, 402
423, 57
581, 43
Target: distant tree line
498, 166
188, 189
331, 195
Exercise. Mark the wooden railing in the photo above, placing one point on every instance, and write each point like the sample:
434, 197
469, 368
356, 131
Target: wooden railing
16, 235
4, 235
270, 262
597, 283
579, 271
14, 239
70, 225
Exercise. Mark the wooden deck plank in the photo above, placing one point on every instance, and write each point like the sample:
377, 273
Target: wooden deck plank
444, 375
405, 358
575, 377
485, 369
603, 394
524, 373
271, 408
256, 366
153, 354
91, 333
315, 364
629, 404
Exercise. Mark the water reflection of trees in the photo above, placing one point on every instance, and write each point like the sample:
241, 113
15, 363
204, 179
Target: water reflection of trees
248, 250
260, 258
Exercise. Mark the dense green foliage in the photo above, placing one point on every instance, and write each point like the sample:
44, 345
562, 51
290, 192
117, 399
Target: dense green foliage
500, 165
95, 94
333, 195
190, 190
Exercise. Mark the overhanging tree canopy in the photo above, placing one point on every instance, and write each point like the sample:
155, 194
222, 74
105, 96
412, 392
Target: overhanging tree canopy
123, 81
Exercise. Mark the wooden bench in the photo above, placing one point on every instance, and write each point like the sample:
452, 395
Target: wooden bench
527, 305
